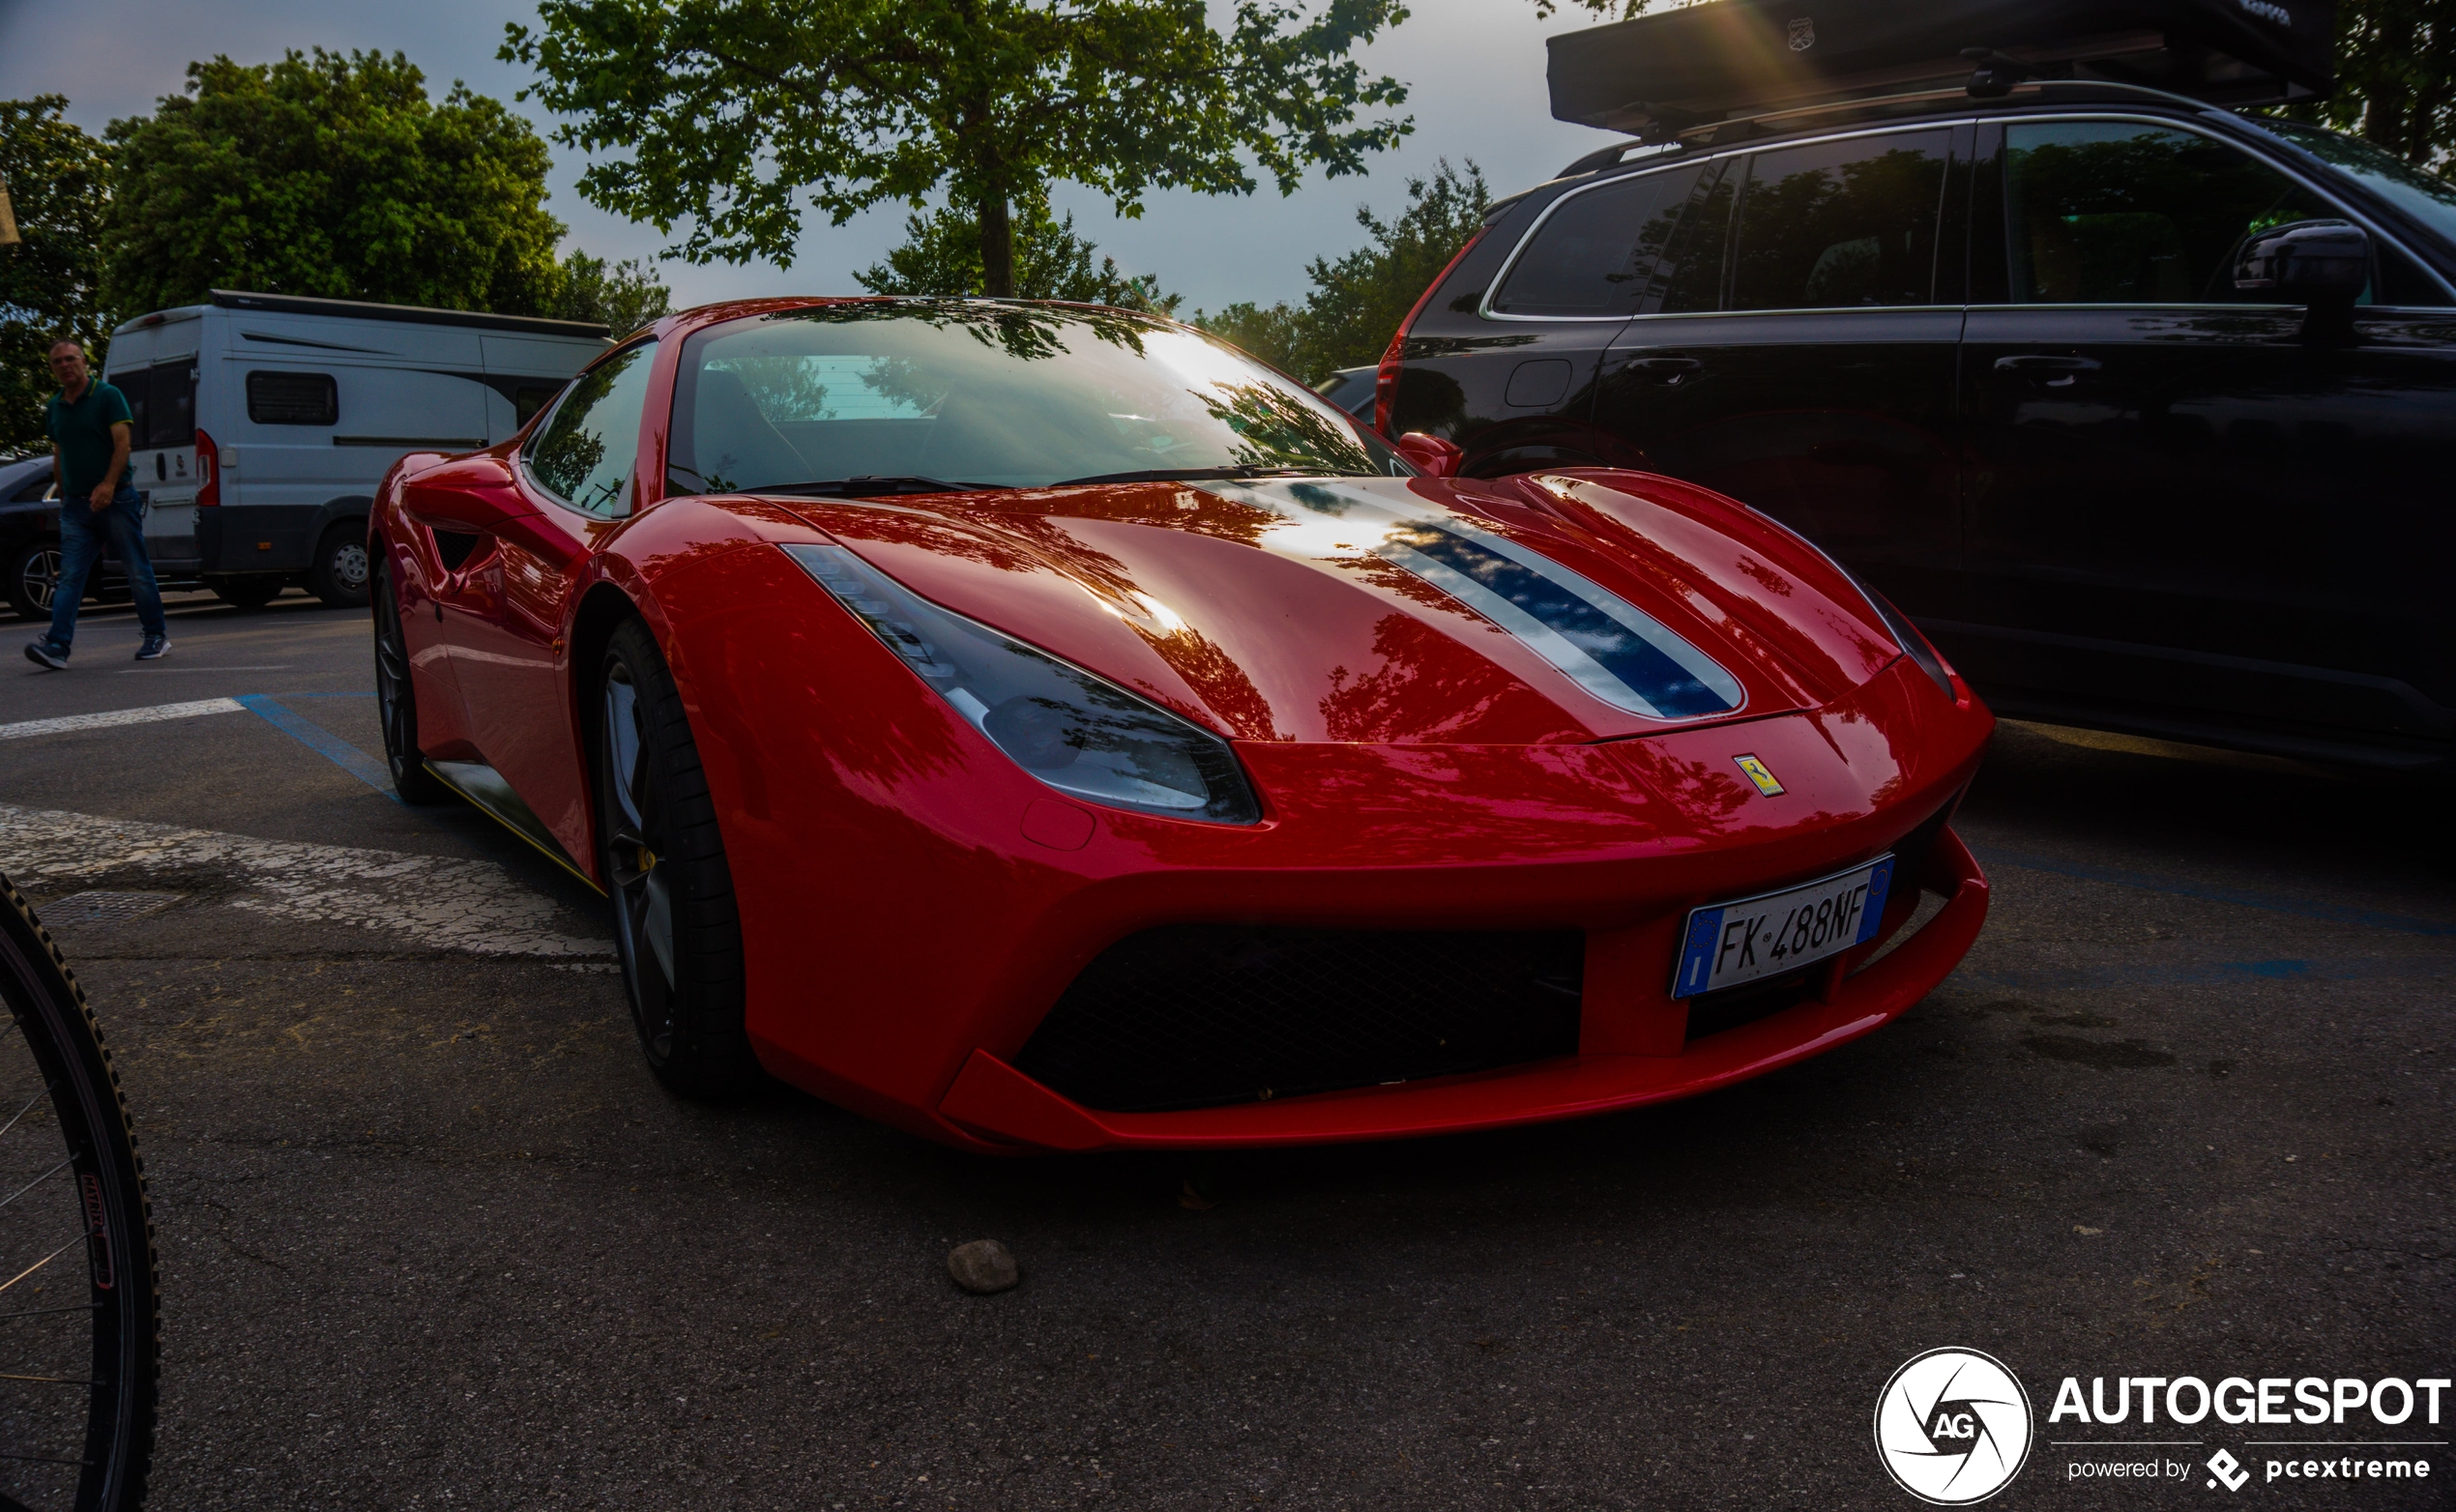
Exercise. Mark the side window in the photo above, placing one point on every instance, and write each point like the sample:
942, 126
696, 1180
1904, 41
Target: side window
530, 397
170, 418
1592, 255
583, 453
1841, 224
2123, 212
279, 399
1693, 274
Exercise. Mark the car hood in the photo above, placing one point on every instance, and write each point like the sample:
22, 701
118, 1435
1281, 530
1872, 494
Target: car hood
1389, 610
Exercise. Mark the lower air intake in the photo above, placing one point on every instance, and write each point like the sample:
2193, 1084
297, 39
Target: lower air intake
1201, 1015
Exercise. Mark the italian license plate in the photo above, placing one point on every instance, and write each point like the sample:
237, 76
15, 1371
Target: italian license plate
1728, 944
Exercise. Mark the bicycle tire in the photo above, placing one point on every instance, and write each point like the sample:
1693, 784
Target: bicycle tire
53, 1062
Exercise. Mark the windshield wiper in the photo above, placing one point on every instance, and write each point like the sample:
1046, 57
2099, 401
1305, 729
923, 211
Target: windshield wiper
871, 486
1182, 475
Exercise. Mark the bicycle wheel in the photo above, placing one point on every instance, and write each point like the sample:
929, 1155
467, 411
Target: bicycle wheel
79, 1299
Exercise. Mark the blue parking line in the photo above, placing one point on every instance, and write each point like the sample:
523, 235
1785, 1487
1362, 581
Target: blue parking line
2272, 902
324, 743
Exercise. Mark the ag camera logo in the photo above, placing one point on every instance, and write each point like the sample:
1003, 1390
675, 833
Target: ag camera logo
1952, 1427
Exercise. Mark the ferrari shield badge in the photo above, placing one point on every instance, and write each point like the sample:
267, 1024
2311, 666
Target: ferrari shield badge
1759, 774
1803, 32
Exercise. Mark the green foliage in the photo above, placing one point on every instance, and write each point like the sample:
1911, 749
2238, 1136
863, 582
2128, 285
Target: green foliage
329, 176
941, 254
728, 113
2396, 78
1359, 300
624, 296
58, 181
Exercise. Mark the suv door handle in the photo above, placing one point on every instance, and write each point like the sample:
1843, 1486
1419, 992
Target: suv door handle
2052, 372
1662, 369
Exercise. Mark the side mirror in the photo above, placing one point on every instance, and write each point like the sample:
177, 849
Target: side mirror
2309, 262
1430, 455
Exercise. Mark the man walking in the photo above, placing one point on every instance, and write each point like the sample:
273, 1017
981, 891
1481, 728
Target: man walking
89, 421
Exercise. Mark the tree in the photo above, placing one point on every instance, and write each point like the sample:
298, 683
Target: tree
1357, 301
622, 296
727, 112
329, 176
941, 254
2396, 78
58, 181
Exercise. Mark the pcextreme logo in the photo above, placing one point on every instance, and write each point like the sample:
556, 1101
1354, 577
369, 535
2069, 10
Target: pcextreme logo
1952, 1427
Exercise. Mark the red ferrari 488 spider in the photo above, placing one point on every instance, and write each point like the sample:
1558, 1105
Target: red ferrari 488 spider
1041, 727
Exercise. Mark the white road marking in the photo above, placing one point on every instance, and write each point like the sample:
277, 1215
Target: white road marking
187, 710
432, 901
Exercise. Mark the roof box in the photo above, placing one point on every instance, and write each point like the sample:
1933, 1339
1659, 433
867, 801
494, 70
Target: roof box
1708, 61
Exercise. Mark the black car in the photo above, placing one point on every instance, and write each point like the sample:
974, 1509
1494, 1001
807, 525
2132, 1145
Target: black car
2143, 408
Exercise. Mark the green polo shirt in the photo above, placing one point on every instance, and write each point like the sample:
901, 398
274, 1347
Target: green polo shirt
82, 432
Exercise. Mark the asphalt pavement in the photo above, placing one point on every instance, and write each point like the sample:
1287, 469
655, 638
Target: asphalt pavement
431, 1237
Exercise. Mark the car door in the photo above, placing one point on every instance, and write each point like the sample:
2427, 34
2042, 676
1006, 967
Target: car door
1505, 365
2180, 511
505, 619
1800, 355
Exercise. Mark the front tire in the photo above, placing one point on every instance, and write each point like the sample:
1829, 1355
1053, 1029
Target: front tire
340, 573
396, 702
675, 926
34, 576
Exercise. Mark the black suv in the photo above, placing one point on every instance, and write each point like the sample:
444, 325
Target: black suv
2026, 356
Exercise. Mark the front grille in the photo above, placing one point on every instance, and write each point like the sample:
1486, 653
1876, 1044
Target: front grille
1201, 1015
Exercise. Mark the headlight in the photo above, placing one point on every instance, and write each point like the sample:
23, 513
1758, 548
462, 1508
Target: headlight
1906, 635
1079, 734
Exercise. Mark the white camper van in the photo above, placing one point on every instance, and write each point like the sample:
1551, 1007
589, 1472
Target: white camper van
264, 421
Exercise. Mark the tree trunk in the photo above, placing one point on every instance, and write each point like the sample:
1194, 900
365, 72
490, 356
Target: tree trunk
997, 248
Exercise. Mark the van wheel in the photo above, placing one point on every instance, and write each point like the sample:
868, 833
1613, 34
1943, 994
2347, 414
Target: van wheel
34, 576
253, 590
338, 573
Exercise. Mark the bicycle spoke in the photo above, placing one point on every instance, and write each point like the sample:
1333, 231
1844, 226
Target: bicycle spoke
45, 1261
45, 1312
29, 1106
38, 1180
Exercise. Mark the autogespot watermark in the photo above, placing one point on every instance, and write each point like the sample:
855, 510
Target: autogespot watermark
1953, 1427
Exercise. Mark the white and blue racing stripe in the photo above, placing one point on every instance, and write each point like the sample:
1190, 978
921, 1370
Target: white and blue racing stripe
1609, 647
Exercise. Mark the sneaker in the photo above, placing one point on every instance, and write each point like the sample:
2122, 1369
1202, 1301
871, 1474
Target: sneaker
154, 646
44, 653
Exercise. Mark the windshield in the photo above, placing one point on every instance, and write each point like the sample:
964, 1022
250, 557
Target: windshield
888, 396
2425, 196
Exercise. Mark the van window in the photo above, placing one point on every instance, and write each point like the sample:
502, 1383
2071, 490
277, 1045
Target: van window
1592, 256
279, 399
170, 404
530, 397
583, 453
2122, 213
1841, 224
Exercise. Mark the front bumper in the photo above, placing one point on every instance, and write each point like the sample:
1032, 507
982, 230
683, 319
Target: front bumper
994, 1101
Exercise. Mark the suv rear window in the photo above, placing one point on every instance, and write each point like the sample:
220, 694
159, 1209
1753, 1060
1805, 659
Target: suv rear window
1841, 224
1592, 256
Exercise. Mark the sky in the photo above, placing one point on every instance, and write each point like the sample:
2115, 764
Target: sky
1474, 68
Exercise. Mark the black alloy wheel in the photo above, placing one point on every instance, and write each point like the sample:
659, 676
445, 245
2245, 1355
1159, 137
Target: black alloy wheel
339, 575
396, 700
245, 589
33, 578
82, 1314
675, 926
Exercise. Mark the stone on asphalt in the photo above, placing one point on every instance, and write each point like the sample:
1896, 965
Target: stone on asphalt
983, 1266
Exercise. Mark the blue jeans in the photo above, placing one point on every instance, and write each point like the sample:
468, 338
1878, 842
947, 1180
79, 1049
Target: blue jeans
83, 532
